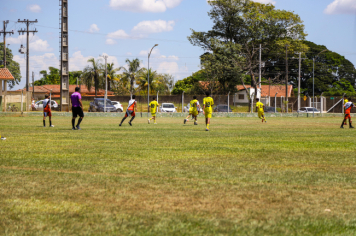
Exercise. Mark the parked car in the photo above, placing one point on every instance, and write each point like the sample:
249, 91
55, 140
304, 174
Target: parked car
187, 107
118, 106
308, 110
222, 108
167, 107
98, 105
39, 105
270, 109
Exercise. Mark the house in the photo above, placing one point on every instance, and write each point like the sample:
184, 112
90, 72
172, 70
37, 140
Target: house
264, 93
5, 75
41, 91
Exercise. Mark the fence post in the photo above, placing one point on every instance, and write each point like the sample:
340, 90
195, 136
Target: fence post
21, 106
182, 101
275, 103
228, 102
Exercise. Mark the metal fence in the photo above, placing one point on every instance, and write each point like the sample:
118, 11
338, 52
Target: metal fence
16, 101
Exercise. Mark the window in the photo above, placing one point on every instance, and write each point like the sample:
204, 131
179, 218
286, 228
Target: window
241, 96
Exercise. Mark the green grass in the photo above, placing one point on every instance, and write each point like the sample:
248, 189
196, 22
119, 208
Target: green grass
287, 177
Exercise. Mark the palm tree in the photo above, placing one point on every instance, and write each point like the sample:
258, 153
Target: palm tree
153, 80
92, 73
111, 73
131, 73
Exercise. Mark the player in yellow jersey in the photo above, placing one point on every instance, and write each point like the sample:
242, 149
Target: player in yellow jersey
260, 108
193, 110
208, 104
345, 101
153, 106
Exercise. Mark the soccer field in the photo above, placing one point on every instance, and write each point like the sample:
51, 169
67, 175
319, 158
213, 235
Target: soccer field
291, 176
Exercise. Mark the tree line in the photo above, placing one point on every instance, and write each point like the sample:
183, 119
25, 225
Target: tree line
232, 49
131, 80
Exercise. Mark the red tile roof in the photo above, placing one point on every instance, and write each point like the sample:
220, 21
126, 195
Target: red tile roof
56, 89
5, 74
265, 90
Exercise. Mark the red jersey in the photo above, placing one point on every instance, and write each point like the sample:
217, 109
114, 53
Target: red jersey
132, 104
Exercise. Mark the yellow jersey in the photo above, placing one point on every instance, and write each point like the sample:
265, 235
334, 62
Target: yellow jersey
193, 105
259, 106
153, 106
208, 102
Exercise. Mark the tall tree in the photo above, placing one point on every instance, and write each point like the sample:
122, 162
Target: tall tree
240, 26
111, 73
13, 66
131, 73
91, 74
142, 82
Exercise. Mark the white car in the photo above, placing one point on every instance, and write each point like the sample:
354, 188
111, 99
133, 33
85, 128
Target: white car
167, 107
308, 110
118, 106
39, 105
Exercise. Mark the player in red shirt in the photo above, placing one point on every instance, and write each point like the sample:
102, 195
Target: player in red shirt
131, 108
348, 106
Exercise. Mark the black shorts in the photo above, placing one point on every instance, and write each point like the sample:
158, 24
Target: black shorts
77, 111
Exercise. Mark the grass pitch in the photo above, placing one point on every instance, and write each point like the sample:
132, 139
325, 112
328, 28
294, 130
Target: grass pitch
291, 176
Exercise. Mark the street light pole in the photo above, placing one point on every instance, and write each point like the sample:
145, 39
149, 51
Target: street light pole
106, 81
148, 78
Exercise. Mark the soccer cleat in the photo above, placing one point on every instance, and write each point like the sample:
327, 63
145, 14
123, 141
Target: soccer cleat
73, 128
3, 138
119, 124
185, 121
351, 127
155, 123
149, 121
206, 129
265, 121
130, 124
51, 126
44, 126
195, 123
341, 127
78, 127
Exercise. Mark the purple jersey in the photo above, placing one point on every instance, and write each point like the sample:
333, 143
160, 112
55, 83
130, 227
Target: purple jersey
75, 99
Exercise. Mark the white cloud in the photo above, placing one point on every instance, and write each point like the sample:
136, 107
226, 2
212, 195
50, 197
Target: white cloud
144, 5
36, 44
341, 7
266, 1
145, 28
79, 62
34, 8
110, 42
94, 28
168, 68
119, 34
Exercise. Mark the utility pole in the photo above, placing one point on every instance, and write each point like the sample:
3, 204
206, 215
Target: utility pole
287, 78
33, 84
299, 75
5, 32
27, 31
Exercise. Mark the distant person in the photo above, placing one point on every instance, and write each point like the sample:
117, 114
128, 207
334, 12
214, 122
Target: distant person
194, 108
345, 101
153, 106
208, 103
33, 104
47, 111
348, 106
77, 108
131, 108
260, 108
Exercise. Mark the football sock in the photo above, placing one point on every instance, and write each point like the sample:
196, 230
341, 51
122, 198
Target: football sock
342, 124
207, 126
73, 123
79, 121
50, 123
123, 119
132, 119
44, 123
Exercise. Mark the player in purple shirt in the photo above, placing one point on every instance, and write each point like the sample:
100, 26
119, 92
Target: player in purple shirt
77, 108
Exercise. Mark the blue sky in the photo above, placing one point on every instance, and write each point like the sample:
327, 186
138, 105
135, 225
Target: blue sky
129, 28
